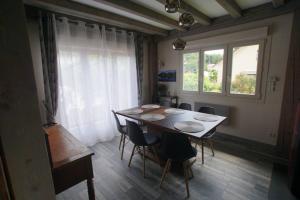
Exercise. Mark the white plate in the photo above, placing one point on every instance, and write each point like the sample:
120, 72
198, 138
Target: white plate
150, 106
206, 118
189, 126
174, 111
152, 117
133, 112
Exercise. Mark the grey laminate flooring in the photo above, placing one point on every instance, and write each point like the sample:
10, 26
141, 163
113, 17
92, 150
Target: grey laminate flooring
223, 176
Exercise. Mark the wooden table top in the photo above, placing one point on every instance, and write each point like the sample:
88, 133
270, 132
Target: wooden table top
167, 124
64, 147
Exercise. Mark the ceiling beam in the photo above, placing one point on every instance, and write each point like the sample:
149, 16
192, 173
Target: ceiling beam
141, 11
231, 7
249, 15
277, 3
198, 16
83, 11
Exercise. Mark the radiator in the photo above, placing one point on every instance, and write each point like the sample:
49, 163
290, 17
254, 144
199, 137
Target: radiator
219, 109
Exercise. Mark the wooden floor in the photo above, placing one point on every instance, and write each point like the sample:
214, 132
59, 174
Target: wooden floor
224, 176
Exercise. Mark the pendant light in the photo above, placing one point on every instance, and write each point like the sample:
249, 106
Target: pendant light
186, 20
172, 6
179, 44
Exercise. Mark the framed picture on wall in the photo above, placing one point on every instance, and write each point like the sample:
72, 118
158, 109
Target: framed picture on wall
167, 76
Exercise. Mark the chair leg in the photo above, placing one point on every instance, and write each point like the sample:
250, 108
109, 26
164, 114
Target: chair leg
189, 168
122, 135
156, 154
144, 163
186, 178
166, 169
211, 147
202, 149
131, 155
191, 175
123, 147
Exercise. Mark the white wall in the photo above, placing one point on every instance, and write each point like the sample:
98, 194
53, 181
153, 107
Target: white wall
251, 119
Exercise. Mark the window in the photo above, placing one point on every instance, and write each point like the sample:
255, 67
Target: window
213, 70
244, 67
190, 71
231, 69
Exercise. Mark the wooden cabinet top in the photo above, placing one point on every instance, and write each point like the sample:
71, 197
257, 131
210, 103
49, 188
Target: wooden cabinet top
64, 147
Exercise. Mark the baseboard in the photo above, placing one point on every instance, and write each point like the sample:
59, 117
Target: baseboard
248, 148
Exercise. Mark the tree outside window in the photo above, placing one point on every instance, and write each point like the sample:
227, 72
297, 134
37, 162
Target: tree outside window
190, 71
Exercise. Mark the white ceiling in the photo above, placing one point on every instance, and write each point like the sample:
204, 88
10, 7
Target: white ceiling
209, 7
95, 4
157, 7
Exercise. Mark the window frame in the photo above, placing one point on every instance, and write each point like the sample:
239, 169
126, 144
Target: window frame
259, 71
227, 67
181, 71
224, 71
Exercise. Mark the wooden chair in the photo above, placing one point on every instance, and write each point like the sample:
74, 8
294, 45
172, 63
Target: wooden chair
140, 139
177, 147
123, 130
185, 106
207, 138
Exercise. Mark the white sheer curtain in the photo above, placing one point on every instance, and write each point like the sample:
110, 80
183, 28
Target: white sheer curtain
97, 73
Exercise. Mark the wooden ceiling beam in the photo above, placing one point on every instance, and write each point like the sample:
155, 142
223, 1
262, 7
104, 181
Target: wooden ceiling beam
141, 11
83, 11
277, 3
231, 7
199, 16
261, 12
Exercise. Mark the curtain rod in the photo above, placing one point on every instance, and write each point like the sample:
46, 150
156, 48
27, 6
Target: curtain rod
30, 9
91, 25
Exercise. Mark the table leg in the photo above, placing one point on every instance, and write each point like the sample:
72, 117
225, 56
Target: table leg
91, 190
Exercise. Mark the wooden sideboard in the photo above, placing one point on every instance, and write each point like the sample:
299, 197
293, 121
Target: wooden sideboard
71, 161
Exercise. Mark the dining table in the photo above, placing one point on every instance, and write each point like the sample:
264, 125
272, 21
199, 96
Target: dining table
168, 120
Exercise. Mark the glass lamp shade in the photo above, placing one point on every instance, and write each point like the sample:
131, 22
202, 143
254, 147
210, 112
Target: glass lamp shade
179, 44
172, 6
186, 20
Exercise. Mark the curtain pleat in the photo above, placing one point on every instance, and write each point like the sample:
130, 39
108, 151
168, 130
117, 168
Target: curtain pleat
153, 68
139, 54
49, 64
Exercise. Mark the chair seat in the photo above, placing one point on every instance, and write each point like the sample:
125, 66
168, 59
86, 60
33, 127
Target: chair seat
124, 129
151, 139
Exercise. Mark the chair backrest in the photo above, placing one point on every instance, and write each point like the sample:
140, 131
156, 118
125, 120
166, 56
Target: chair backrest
135, 133
117, 122
207, 109
176, 146
185, 106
